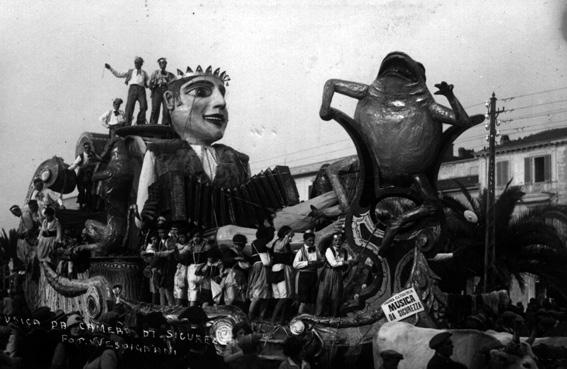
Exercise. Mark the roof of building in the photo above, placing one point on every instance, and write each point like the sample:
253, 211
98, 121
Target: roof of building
452, 183
543, 137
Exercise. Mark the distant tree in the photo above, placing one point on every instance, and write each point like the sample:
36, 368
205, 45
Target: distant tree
530, 242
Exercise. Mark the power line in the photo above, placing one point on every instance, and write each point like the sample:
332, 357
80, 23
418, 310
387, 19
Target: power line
303, 150
534, 105
510, 98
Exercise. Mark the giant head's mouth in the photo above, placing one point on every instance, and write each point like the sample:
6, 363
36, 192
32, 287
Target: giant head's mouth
217, 119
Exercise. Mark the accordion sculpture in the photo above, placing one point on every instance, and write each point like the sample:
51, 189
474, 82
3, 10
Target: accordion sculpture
193, 200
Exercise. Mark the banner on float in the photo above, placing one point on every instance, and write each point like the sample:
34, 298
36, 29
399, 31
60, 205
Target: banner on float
402, 305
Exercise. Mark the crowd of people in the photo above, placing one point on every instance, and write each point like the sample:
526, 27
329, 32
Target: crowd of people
266, 274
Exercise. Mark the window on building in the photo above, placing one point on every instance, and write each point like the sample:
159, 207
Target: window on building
502, 173
537, 169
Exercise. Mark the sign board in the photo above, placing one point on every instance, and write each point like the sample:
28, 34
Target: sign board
402, 305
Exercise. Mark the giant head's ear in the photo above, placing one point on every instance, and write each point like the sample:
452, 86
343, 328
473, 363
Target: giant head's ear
169, 100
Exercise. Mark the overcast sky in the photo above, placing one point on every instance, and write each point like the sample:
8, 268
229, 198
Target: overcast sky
279, 55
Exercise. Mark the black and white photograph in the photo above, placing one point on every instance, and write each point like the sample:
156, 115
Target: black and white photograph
283, 184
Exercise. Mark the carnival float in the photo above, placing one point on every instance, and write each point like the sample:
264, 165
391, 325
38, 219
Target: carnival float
386, 198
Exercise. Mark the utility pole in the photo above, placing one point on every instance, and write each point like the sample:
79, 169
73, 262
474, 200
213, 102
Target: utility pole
490, 229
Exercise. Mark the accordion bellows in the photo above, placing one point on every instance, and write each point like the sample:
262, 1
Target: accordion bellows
185, 198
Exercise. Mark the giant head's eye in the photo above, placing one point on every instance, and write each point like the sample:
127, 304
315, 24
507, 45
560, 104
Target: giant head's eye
203, 92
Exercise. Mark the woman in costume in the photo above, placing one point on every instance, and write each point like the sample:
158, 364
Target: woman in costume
330, 294
49, 235
282, 272
259, 288
235, 282
306, 262
197, 257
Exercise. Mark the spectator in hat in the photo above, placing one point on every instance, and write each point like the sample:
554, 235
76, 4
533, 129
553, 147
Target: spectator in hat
86, 163
158, 85
390, 359
443, 347
137, 81
114, 118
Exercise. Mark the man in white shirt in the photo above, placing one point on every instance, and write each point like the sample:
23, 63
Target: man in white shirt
137, 80
306, 261
113, 118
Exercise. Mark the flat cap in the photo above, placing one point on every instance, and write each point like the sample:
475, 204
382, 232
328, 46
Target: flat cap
439, 339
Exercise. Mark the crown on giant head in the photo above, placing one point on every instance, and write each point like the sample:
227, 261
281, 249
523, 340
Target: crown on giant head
189, 73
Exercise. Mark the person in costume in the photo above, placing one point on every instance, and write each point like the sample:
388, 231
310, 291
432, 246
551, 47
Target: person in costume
197, 258
211, 274
49, 235
150, 271
282, 272
235, 280
259, 287
330, 293
45, 197
306, 261
166, 265
182, 257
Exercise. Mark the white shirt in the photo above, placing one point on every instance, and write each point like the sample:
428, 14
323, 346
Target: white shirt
335, 261
208, 159
109, 119
82, 160
299, 262
138, 78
